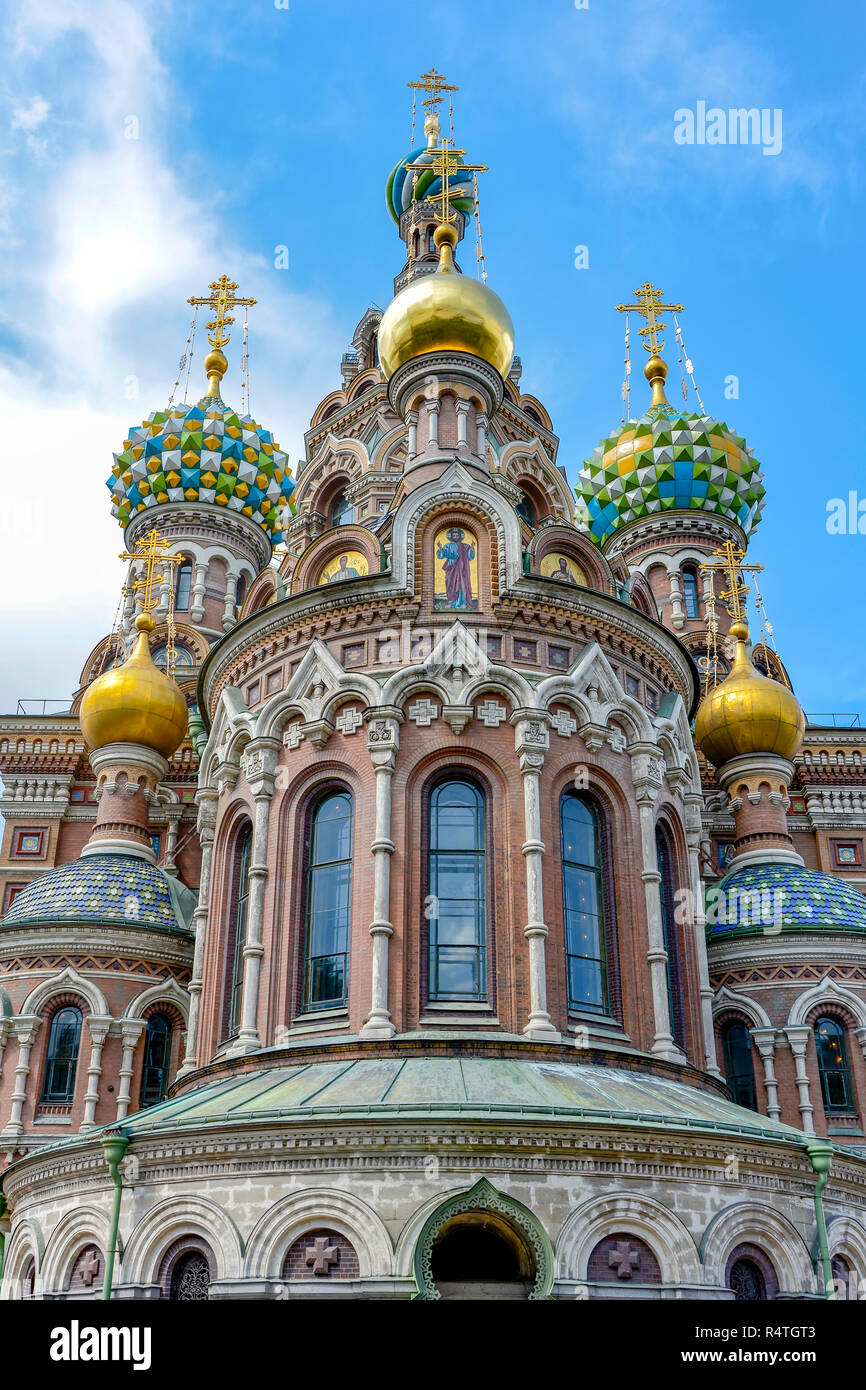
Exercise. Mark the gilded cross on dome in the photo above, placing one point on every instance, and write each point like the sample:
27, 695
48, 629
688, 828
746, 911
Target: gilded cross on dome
150, 550
730, 561
649, 305
434, 84
446, 162
221, 298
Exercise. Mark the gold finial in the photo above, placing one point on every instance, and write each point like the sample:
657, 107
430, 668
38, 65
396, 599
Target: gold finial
729, 559
434, 84
649, 306
150, 550
446, 163
221, 298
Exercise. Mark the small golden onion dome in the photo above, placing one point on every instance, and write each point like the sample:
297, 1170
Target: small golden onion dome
135, 702
446, 312
748, 713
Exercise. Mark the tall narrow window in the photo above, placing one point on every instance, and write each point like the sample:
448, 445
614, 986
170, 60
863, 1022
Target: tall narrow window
583, 899
240, 592
342, 511
690, 594
737, 1063
157, 1058
237, 934
61, 1060
834, 1067
184, 586
457, 905
329, 902
676, 1001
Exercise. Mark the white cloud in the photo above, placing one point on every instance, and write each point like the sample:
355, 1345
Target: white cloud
31, 116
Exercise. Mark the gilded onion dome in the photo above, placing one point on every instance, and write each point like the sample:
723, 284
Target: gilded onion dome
446, 312
668, 460
748, 713
135, 702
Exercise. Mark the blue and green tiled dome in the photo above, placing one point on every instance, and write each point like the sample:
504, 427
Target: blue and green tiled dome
760, 899
669, 460
105, 889
398, 194
203, 453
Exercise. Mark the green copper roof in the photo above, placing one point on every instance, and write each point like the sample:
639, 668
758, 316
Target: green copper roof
403, 1088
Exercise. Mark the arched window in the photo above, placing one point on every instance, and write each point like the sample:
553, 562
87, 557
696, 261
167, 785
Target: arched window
342, 511
190, 1278
526, 510
690, 594
834, 1067
431, 243
240, 591
583, 901
737, 1063
747, 1281
237, 933
329, 902
456, 908
157, 1058
183, 585
676, 997
58, 1086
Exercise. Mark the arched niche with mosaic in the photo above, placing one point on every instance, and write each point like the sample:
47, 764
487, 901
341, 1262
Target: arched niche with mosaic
558, 553
455, 570
338, 557
348, 564
556, 565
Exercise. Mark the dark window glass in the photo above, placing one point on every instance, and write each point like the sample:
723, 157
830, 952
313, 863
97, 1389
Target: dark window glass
676, 1003
747, 1282
690, 594
157, 1057
833, 1067
329, 900
240, 591
525, 509
190, 1278
583, 900
243, 850
342, 511
184, 585
62, 1057
737, 1063
457, 906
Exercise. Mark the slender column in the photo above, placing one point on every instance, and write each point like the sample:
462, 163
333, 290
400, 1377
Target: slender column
647, 778
462, 408
412, 422
130, 1031
693, 804
99, 1025
259, 766
5, 1030
164, 596
229, 614
196, 596
481, 435
531, 742
677, 616
173, 815
26, 1026
207, 798
383, 741
432, 422
765, 1042
798, 1039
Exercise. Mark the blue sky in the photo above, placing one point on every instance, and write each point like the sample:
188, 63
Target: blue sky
260, 126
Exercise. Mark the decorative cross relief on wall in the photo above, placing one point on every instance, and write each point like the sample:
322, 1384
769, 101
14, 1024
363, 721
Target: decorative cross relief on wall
492, 714
423, 712
293, 736
563, 723
348, 721
321, 1255
623, 1259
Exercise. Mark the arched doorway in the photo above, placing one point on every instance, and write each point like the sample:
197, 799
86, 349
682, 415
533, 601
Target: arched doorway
482, 1244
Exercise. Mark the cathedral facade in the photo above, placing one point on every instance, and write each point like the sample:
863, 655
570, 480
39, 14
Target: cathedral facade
431, 890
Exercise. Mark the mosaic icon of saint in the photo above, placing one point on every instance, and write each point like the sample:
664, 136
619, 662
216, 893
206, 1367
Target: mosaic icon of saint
457, 554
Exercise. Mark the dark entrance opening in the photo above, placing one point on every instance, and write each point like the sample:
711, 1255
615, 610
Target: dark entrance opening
478, 1255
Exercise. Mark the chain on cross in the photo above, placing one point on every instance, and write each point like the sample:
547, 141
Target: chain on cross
222, 297
649, 306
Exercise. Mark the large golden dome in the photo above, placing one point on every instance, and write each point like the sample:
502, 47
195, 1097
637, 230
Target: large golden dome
748, 713
446, 312
135, 702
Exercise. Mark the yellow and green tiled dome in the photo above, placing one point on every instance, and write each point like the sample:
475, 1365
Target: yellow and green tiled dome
669, 460
203, 453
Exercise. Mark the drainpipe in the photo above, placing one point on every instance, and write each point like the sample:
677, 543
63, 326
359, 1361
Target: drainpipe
820, 1157
114, 1144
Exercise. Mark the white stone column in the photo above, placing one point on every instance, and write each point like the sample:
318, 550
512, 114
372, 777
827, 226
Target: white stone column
432, 422
462, 408
531, 742
412, 444
798, 1039
173, 815
677, 616
259, 766
207, 798
647, 778
765, 1042
5, 1030
98, 1024
131, 1030
693, 802
196, 596
25, 1027
383, 741
229, 614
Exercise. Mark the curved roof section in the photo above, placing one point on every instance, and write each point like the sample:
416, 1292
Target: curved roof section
105, 889
760, 899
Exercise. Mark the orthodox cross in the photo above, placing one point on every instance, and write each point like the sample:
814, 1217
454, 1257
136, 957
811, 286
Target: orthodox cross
434, 84
149, 551
321, 1255
445, 163
729, 561
649, 306
221, 298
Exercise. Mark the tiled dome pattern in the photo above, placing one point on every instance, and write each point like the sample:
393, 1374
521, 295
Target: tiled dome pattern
762, 898
202, 453
669, 461
398, 194
100, 888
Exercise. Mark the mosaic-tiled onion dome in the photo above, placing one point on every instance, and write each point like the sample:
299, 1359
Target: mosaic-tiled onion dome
763, 898
669, 460
105, 889
203, 453
398, 194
